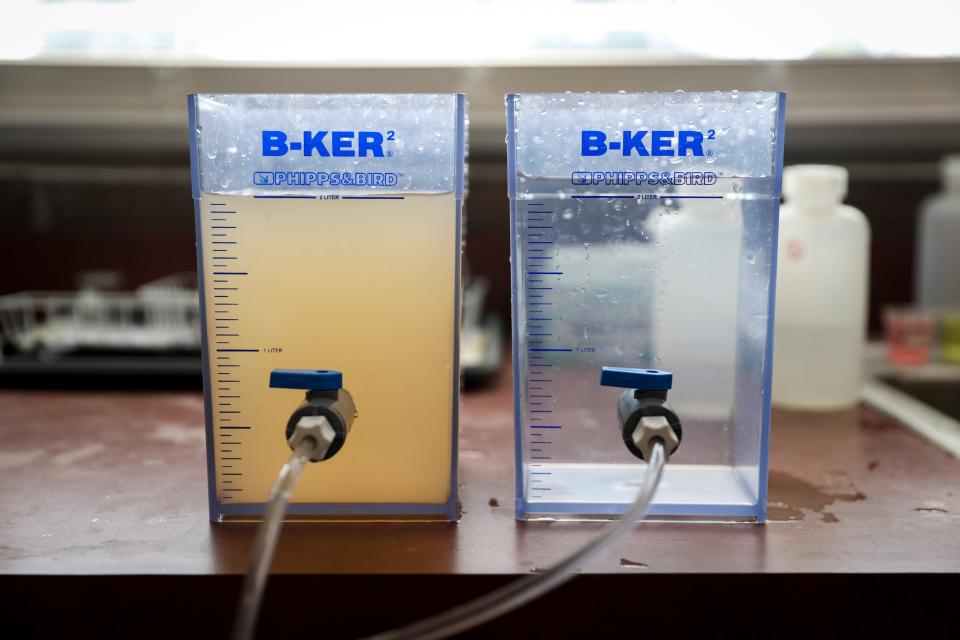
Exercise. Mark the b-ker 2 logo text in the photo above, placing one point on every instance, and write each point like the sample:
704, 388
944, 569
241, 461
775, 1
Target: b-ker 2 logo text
657, 143
326, 144
643, 143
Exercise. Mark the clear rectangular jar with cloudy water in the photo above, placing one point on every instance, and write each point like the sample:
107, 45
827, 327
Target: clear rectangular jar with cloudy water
328, 238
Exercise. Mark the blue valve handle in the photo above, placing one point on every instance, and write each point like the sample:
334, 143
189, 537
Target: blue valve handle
643, 379
310, 379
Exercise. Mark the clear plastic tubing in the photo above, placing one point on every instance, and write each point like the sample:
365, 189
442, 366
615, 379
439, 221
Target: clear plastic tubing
520, 592
266, 541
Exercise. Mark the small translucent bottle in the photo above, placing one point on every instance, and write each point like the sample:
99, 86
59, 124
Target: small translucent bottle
822, 277
938, 242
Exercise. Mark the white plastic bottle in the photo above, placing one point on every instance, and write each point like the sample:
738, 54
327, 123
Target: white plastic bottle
822, 272
938, 242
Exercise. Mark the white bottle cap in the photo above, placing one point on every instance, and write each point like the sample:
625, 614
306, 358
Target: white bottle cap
950, 170
815, 183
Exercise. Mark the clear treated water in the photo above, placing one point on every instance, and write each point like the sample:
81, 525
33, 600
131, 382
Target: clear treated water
669, 283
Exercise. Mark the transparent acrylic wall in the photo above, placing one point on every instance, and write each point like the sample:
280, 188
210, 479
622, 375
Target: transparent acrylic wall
643, 255
328, 237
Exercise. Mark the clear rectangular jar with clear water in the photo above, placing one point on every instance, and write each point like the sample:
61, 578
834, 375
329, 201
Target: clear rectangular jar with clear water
328, 237
645, 234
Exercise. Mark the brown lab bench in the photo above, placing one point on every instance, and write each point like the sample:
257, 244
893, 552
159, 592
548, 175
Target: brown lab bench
105, 533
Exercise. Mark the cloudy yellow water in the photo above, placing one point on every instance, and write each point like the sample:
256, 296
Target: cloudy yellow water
362, 286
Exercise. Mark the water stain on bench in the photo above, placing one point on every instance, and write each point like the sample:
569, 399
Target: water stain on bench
792, 498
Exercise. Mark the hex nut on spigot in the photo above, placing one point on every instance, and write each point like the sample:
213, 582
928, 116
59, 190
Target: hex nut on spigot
319, 429
652, 428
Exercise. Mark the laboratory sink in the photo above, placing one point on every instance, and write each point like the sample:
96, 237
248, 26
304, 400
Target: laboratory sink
942, 395
925, 398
